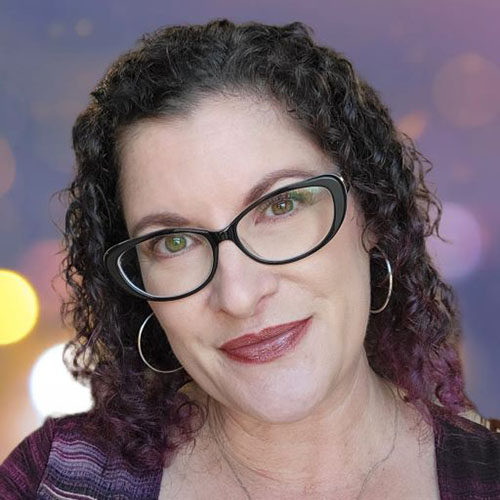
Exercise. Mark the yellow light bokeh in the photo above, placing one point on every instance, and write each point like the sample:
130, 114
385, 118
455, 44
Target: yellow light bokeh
19, 307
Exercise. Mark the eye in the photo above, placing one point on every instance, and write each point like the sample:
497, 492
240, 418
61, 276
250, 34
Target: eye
170, 244
282, 206
174, 242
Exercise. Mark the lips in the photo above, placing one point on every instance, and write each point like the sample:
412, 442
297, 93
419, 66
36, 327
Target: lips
268, 344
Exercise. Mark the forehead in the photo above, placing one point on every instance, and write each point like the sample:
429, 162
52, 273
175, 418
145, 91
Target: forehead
203, 165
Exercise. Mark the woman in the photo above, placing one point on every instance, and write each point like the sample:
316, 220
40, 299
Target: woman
254, 306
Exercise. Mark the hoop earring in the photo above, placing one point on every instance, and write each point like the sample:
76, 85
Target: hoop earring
139, 337
389, 270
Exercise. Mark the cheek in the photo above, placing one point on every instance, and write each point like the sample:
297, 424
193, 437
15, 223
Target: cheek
338, 271
339, 280
177, 322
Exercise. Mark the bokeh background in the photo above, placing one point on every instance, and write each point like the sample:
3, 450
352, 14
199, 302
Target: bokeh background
434, 62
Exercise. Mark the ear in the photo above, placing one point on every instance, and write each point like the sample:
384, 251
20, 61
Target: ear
369, 239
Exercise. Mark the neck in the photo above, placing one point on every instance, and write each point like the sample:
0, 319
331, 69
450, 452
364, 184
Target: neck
337, 444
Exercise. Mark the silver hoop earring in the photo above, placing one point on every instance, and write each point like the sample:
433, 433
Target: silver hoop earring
389, 270
139, 337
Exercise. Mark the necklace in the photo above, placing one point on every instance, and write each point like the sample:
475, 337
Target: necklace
368, 475
375, 466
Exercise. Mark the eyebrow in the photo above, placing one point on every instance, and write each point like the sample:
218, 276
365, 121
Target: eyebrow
171, 219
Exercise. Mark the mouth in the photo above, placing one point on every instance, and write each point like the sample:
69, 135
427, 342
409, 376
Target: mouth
268, 344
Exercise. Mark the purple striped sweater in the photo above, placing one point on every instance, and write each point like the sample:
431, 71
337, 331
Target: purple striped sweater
55, 462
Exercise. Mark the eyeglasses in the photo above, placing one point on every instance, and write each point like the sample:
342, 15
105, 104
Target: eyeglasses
284, 226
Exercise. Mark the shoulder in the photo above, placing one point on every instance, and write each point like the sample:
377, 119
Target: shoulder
23, 469
491, 424
468, 455
60, 459
473, 433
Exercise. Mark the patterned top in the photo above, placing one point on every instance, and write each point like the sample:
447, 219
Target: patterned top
55, 462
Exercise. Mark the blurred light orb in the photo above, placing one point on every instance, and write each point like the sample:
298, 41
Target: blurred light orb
19, 307
465, 90
53, 391
413, 124
462, 254
83, 27
7, 167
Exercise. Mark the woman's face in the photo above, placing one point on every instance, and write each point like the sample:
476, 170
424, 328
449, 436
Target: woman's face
202, 168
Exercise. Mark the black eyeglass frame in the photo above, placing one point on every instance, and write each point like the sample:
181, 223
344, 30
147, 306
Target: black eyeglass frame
333, 182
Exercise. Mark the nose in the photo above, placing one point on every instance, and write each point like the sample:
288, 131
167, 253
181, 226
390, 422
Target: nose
240, 284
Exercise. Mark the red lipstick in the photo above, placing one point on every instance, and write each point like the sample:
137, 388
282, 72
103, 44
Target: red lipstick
268, 344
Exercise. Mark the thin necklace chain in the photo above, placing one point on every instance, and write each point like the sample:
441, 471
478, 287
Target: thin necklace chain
368, 475
235, 474
394, 437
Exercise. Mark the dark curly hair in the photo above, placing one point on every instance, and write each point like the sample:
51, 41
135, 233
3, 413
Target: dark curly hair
413, 343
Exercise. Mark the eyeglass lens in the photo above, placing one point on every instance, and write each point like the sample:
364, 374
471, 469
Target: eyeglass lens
278, 229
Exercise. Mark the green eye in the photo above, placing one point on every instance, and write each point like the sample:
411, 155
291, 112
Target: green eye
282, 207
175, 243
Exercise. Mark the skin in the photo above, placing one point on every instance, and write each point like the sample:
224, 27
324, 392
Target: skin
318, 418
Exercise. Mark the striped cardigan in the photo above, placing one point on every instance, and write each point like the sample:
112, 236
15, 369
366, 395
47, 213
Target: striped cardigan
55, 462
